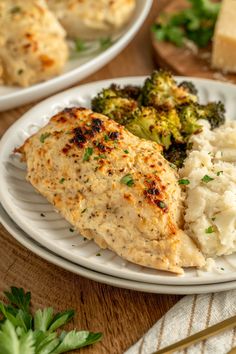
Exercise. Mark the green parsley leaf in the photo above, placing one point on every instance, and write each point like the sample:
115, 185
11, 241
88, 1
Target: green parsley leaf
126, 151
15, 9
207, 179
19, 334
83, 211
60, 319
80, 45
128, 180
44, 136
11, 343
62, 180
161, 204
45, 343
75, 340
219, 173
209, 230
169, 33
183, 181
101, 156
71, 230
42, 319
98, 254
195, 23
106, 137
105, 42
19, 298
88, 153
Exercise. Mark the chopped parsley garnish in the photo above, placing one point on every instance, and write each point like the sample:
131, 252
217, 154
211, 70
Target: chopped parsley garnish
126, 151
161, 204
106, 137
71, 230
195, 23
20, 71
148, 180
98, 254
83, 211
16, 9
22, 331
44, 136
80, 45
219, 173
88, 153
101, 156
172, 166
207, 179
43, 215
222, 268
209, 230
184, 181
213, 219
128, 180
105, 42
62, 180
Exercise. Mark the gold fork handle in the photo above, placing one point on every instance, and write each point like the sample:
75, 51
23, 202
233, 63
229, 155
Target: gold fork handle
195, 338
232, 351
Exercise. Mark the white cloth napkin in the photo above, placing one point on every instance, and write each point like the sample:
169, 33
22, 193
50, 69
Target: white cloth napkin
190, 315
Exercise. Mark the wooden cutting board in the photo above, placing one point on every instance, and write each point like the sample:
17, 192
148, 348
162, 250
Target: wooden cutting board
184, 61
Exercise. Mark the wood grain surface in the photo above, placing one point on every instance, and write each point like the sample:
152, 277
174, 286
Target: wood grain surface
184, 61
122, 315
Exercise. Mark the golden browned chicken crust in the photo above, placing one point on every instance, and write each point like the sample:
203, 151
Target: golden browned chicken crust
113, 187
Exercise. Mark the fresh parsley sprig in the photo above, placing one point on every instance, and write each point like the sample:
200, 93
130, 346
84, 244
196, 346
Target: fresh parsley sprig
21, 332
195, 23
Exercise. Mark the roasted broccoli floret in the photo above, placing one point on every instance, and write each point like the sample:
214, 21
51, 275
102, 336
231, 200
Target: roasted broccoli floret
161, 91
214, 112
161, 111
189, 86
110, 103
176, 154
128, 91
161, 127
189, 116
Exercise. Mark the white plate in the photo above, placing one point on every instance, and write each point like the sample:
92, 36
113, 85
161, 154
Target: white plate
51, 257
24, 205
76, 69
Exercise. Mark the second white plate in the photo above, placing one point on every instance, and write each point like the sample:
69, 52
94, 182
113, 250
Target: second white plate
78, 68
38, 218
51, 257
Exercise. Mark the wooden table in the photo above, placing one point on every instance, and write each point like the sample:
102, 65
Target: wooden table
122, 315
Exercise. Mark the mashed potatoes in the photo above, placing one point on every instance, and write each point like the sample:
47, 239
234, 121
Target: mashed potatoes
209, 175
